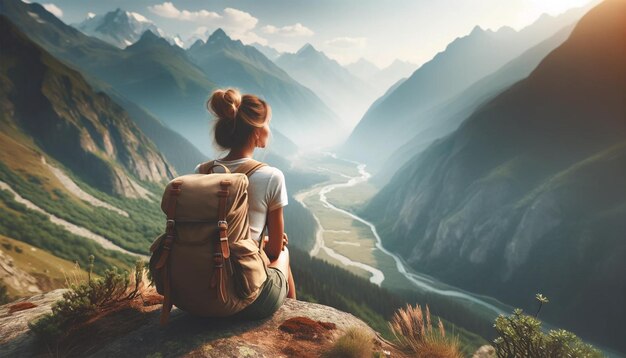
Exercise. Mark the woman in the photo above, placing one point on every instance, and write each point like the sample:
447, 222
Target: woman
242, 124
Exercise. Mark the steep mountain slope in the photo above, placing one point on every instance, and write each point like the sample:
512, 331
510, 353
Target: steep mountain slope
345, 93
529, 192
161, 79
84, 130
445, 118
121, 28
178, 151
296, 111
392, 122
268, 51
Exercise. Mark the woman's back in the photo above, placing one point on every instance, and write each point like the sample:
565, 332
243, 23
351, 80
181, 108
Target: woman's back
266, 192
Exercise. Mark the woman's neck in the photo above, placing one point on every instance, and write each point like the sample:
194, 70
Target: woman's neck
235, 154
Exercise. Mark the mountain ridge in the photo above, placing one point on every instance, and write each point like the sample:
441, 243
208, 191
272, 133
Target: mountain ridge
467, 59
531, 175
93, 134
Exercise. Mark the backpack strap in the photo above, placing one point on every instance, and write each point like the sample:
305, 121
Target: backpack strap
170, 235
249, 167
221, 253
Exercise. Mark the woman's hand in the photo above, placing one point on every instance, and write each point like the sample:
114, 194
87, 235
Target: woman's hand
285, 241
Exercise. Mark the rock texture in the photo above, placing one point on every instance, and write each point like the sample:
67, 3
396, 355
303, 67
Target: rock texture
297, 329
54, 106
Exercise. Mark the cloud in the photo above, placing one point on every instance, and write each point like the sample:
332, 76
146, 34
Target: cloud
250, 38
237, 20
53, 9
167, 9
347, 42
290, 30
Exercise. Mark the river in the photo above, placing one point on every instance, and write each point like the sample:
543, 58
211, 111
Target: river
421, 282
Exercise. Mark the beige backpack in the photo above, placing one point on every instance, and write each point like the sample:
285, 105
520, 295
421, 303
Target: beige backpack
206, 263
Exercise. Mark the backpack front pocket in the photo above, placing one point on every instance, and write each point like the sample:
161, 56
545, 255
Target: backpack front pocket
249, 272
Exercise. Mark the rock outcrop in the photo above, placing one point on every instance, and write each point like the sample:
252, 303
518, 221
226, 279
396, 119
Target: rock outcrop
297, 329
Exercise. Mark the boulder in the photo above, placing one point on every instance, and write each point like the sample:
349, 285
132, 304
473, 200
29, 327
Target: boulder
297, 329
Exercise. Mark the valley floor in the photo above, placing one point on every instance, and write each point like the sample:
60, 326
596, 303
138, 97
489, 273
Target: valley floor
346, 240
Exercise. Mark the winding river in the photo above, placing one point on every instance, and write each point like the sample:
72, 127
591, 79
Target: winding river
421, 282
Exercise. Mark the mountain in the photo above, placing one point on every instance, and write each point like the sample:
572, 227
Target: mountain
345, 93
52, 105
363, 69
446, 117
528, 194
176, 149
121, 28
296, 111
160, 79
268, 51
394, 121
387, 76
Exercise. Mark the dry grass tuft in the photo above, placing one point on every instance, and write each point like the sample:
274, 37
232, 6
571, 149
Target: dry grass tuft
355, 343
407, 324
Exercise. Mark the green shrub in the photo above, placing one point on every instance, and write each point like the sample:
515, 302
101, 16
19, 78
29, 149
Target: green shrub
520, 335
86, 300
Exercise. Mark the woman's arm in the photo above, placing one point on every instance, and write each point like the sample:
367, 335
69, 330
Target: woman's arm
275, 230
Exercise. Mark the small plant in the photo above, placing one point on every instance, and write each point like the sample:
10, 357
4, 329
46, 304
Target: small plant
355, 343
542, 299
88, 299
407, 324
520, 335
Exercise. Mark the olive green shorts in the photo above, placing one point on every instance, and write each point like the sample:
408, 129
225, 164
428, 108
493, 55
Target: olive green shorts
270, 298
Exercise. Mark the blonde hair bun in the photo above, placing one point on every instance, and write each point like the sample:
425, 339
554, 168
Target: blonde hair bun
225, 103
236, 116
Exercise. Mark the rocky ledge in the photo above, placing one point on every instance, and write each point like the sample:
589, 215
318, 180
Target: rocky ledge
297, 329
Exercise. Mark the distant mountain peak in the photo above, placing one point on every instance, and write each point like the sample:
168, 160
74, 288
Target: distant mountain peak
218, 35
196, 44
150, 39
364, 61
307, 48
121, 28
148, 35
476, 30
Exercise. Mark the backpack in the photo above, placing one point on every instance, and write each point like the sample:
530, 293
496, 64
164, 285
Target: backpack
206, 263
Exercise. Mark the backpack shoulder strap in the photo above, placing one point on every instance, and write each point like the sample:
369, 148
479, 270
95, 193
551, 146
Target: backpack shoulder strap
249, 167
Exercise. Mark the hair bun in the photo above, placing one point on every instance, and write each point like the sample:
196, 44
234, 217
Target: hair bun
225, 103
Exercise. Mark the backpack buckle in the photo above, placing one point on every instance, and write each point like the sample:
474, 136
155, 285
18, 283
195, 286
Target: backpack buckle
169, 223
222, 224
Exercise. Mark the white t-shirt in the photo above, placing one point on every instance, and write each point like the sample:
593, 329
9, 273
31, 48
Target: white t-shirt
266, 192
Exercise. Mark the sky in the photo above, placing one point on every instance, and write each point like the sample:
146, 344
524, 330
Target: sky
346, 30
